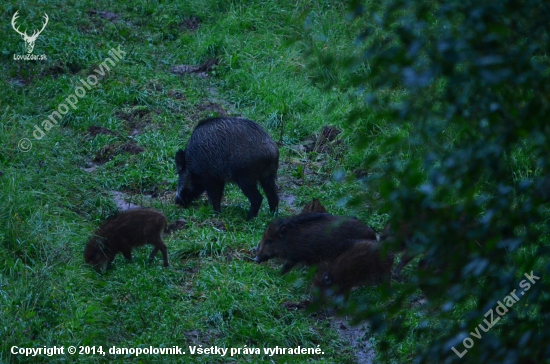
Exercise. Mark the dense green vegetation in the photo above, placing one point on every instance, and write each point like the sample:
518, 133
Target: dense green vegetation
438, 104
462, 87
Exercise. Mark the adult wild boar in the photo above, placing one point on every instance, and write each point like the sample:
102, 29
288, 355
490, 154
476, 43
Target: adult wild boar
228, 149
313, 206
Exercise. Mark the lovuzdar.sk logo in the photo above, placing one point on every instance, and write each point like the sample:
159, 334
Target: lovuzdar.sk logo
29, 40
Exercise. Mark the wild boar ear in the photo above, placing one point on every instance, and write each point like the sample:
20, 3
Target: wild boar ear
101, 242
386, 233
281, 231
180, 160
327, 279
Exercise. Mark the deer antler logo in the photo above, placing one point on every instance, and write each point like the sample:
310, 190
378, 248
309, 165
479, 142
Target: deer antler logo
28, 40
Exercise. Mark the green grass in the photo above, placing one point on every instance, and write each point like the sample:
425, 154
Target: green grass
211, 294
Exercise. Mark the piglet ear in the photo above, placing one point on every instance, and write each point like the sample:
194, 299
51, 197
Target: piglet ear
180, 160
281, 231
327, 279
101, 241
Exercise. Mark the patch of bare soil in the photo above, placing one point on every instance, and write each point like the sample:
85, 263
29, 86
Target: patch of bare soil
155, 85
20, 81
239, 254
179, 224
302, 166
159, 190
287, 182
323, 143
97, 130
136, 119
90, 167
206, 109
176, 94
60, 68
183, 69
321, 315
191, 24
208, 65
120, 200
199, 71
108, 152
298, 171
209, 107
355, 335
218, 224
294, 306
214, 223
166, 196
103, 14
288, 199
191, 270
53, 71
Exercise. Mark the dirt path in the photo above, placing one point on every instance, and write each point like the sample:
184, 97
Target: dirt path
355, 335
122, 204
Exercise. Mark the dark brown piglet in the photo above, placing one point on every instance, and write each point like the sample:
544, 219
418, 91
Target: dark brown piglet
124, 232
364, 264
310, 238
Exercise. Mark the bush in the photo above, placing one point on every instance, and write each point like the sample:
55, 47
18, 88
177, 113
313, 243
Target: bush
463, 89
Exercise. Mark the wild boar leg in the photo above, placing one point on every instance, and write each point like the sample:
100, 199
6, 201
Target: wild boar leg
127, 252
270, 189
154, 252
287, 266
214, 190
159, 245
164, 252
405, 259
250, 190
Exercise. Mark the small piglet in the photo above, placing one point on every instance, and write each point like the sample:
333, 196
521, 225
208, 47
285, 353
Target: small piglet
363, 264
125, 231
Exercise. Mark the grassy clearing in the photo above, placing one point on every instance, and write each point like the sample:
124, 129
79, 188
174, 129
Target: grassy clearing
211, 294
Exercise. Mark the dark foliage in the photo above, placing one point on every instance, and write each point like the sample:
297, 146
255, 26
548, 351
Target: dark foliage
465, 86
